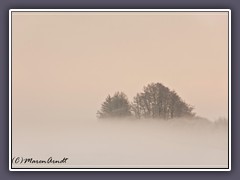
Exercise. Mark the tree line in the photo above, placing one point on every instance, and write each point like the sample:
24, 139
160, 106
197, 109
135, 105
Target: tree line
156, 101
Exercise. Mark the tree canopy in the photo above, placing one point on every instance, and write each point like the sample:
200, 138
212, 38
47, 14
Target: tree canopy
156, 101
116, 106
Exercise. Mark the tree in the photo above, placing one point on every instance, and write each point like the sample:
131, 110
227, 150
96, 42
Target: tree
116, 106
178, 108
158, 101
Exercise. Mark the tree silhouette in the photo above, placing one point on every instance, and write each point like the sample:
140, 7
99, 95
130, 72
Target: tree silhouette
157, 101
116, 106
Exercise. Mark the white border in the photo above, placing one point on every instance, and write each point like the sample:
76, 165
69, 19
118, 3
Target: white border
10, 89
118, 10
229, 87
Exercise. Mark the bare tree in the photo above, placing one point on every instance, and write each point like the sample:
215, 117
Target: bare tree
157, 101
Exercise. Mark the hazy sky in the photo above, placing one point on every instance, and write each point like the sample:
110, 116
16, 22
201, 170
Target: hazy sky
67, 63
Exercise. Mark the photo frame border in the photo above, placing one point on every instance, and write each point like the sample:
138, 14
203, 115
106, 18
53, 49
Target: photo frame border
120, 169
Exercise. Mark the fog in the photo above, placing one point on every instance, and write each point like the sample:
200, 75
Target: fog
188, 143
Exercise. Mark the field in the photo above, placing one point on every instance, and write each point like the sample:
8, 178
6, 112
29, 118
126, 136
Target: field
124, 143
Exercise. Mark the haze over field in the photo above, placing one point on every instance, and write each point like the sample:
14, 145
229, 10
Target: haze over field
65, 64
124, 143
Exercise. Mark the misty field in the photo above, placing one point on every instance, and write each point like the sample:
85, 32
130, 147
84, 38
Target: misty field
185, 143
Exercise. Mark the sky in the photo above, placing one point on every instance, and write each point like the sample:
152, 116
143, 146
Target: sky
65, 64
